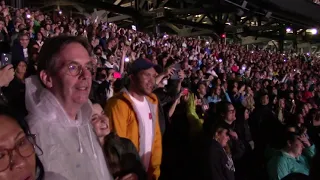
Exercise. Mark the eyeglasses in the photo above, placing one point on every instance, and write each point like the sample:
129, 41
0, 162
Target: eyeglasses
76, 69
25, 147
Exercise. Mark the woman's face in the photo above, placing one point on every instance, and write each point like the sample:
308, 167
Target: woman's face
22, 67
39, 36
306, 108
15, 166
300, 119
223, 137
246, 114
231, 114
99, 121
218, 90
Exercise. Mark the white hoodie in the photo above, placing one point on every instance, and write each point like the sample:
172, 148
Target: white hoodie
70, 148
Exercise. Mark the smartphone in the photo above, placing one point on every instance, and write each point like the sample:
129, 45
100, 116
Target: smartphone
177, 68
134, 27
5, 59
185, 91
117, 75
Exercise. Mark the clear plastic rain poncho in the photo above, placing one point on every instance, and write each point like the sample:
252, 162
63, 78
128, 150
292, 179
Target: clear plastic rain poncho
70, 148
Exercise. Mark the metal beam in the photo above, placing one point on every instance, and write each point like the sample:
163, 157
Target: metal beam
200, 18
191, 23
264, 28
117, 2
113, 8
195, 11
172, 26
163, 3
197, 33
142, 2
117, 18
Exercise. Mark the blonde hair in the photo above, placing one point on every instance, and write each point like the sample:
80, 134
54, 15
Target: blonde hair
217, 134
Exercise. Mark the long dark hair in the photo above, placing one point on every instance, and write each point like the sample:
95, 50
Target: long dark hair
6, 111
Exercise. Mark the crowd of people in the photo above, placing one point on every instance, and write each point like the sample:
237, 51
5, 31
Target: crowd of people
87, 100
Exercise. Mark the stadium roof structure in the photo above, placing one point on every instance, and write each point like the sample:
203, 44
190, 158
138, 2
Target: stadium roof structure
268, 19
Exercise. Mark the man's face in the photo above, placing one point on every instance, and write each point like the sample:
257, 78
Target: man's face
145, 81
202, 89
112, 59
24, 41
21, 27
297, 147
48, 27
265, 100
66, 86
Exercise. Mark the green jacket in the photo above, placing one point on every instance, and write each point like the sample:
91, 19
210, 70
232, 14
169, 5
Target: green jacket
283, 164
195, 122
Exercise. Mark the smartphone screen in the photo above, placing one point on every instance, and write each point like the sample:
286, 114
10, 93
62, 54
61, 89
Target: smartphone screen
185, 91
5, 59
134, 27
117, 75
177, 68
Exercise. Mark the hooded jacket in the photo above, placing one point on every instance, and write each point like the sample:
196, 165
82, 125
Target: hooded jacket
125, 122
70, 147
219, 165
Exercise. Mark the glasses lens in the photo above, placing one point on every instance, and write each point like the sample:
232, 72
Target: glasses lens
26, 146
74, 69
4, 160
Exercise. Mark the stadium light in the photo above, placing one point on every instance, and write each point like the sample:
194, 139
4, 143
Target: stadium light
288, 30
314, 31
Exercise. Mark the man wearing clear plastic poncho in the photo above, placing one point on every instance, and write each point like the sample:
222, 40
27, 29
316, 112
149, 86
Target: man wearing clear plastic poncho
60, 112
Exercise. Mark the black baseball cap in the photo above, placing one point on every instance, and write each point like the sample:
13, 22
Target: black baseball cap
141, 64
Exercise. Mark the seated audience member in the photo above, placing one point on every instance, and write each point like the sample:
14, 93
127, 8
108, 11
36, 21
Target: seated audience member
295, 157
121, 155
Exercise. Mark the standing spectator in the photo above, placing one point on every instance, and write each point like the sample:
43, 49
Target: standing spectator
4, 37
20, 49
6, 76
133, 114
60, 112
220, 163
15, 92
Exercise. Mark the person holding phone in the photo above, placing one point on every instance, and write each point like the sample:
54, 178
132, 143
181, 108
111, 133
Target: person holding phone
6, 76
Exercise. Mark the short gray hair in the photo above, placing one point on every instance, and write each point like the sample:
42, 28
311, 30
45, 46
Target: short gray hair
49, 54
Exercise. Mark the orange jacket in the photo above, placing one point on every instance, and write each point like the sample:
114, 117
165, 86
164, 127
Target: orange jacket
123, 120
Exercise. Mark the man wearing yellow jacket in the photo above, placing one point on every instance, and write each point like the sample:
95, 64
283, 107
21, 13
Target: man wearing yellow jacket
133, 114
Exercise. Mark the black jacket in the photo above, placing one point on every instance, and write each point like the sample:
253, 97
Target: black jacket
15, 94
129, 159
237, 147
3, 99
220, 166
164, 100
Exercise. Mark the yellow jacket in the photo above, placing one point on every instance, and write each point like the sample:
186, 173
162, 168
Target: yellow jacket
124, 121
